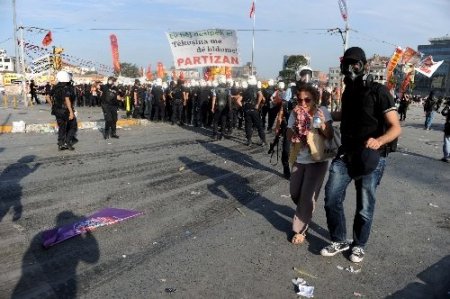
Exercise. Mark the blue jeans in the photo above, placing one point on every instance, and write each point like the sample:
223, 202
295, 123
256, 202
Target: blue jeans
429, 116
335, 189
446, 147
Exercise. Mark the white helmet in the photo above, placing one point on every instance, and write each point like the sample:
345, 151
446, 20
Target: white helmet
259, 84
230, 81
202, 83
222, 80
158, 82
252, 80
194, 83
63, 76
270, 82
244, 84
209, 83
215, 83
164, 85
292, 84
281, 85
304, 74
237, 84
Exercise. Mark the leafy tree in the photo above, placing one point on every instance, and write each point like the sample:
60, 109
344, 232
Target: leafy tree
295, 61
292, 64
287, 75
129, 70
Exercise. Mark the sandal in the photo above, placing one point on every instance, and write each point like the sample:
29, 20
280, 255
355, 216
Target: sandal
298, 239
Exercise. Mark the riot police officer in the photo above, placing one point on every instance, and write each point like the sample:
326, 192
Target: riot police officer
180, 96
110, 97
62, 108
221, 103
251, 100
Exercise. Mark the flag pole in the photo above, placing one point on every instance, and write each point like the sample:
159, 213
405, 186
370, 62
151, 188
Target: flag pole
253, 36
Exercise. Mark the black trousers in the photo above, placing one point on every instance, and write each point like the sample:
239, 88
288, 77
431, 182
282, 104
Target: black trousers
160, 110
66, 128
252, 118
110, 113
177, 111
220, 118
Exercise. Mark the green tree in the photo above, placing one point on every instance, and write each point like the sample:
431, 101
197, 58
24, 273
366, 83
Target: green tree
293, 63
287, 75
129, 70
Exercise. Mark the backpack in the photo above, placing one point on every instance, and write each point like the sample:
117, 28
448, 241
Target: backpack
250, 97
221, 98
375, 91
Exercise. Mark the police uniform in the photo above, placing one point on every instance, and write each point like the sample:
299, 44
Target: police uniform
221, 109
109, 106
252, 117
67, 128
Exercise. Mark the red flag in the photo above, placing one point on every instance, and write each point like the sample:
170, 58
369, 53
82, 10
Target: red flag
160, 70
252, 9
149, 74
47, 39
115, 52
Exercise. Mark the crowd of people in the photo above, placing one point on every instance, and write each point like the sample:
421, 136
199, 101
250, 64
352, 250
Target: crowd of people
367, 112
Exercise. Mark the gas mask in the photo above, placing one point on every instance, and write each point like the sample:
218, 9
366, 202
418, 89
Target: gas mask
352, 69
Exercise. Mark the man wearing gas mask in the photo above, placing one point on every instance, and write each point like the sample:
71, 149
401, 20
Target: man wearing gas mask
369, 124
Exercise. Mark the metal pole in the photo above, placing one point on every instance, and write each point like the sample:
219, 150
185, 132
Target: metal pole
253, 39
22, 61
347, 28
16, 50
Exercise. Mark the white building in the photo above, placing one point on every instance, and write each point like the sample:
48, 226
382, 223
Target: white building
334, 77
6, 62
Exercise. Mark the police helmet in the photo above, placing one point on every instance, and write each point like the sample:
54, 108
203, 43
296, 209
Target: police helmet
63, 76
252, 80
303, 74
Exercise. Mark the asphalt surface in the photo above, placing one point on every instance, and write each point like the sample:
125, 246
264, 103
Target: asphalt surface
216, 223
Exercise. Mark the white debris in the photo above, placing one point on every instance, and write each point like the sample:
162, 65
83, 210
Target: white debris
124, 255
195, 193
340, 268
433, 205
303, 289
353, 270
18, 126
285, 196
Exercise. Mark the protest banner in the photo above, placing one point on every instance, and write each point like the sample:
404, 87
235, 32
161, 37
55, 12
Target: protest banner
427, 66
391, 66
104, 217
115, 52
211, 47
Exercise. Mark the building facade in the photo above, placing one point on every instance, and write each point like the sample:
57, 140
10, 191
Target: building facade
6, 62
439, 48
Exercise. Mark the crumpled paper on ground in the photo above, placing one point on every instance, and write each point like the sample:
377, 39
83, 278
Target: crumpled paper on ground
303, 289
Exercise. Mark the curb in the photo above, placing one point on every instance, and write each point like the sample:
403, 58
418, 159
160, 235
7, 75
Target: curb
22, 127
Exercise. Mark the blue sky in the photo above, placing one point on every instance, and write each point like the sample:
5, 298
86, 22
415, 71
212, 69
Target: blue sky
292, 27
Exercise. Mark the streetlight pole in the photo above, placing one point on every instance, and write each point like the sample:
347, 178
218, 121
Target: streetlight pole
16, 49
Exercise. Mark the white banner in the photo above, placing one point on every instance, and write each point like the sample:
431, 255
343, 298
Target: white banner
41, 64
211, 47
427, 66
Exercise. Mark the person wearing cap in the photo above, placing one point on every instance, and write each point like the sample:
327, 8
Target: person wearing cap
369, 123
110, 97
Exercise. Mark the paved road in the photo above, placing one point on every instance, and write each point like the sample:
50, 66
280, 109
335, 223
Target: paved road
216, 220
